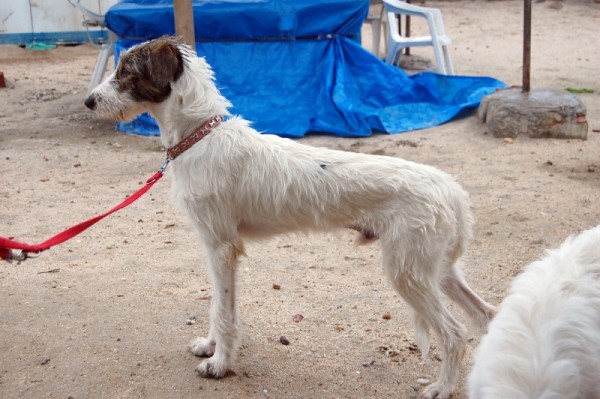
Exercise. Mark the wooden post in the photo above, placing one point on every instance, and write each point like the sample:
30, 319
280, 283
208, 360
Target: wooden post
184, 21
408, 29
526, 46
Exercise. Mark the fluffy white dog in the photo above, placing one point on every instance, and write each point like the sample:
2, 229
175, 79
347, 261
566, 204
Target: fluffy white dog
544, 343
234, 183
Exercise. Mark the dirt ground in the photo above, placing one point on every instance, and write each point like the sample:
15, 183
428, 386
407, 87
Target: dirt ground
106, 314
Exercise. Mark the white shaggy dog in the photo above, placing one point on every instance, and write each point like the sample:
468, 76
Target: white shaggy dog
236, 183
544, 343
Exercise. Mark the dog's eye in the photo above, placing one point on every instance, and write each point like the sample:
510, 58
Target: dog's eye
123, 73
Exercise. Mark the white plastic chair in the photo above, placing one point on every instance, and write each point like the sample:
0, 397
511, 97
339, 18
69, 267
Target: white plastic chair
106, 50
438, 38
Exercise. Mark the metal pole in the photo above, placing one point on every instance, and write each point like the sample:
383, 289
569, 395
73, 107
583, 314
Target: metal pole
526, 46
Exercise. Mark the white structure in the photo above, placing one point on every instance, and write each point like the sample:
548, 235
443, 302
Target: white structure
49, 21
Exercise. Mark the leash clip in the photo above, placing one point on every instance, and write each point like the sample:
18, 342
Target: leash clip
161, 171
20, 256
163, 167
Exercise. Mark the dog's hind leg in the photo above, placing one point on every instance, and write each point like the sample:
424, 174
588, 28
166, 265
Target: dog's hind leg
457, 289
222, 342
416, 278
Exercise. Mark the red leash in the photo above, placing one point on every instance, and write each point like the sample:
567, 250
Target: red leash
7, 245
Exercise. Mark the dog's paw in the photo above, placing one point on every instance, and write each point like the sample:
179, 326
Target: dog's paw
212, 368
202, 347
435, 391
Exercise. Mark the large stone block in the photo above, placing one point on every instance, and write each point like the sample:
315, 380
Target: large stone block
538, 113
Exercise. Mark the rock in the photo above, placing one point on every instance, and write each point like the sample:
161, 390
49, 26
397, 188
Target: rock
539, 114
555, 5
368, 364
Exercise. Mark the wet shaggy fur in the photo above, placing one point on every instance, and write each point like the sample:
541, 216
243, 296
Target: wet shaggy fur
544, 343
237, 184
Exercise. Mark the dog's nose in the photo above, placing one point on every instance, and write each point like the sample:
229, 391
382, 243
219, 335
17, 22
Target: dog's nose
90, 102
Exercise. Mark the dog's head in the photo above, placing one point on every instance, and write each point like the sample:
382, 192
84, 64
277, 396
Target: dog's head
143, 77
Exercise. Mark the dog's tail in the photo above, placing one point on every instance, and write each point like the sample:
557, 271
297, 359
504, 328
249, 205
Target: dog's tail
456, 288
454, 284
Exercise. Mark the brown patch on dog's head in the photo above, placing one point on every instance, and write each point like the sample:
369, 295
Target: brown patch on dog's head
146, 71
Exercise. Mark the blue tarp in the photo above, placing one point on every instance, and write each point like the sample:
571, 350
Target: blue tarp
294, 67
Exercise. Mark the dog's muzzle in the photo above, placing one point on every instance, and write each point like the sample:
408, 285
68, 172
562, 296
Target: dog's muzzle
90, 102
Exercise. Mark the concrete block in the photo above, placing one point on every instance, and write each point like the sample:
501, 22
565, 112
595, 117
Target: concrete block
538, 114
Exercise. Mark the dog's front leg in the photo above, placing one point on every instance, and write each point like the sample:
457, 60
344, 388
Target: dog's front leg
222, 341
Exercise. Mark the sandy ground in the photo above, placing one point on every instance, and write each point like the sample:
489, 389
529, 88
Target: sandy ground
104, 315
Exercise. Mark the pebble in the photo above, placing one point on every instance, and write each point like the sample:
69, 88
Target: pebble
297, 318
423, 381
284, 340
191, 321
368, 364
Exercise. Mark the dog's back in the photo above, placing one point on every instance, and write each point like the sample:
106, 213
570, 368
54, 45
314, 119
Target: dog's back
545, 340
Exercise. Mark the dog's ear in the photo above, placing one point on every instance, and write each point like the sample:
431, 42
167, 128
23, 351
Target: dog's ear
165, 63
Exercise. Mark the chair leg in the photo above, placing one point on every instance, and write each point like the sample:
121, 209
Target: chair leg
439, 58
377, 25
393, 53
376, 35
439, 24
385, 36
105, 53
449, 67
437, 48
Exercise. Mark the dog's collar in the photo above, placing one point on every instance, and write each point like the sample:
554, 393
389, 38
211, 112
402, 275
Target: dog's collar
193, 138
